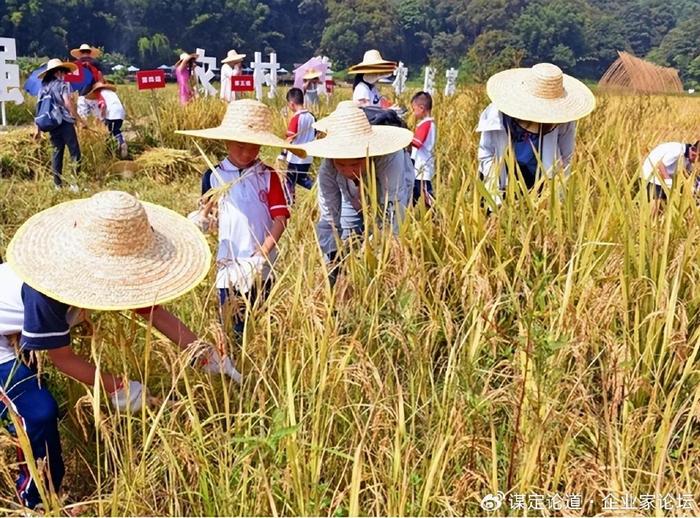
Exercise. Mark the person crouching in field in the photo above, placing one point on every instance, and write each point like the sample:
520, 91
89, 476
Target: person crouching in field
530, 123
356, 153
662, 164
423, 148
107, 252
111, 112
300, 130
56, 89
252, 206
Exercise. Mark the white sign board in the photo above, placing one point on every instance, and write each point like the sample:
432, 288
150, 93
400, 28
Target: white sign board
205, 73
261, 76
451, 85
399, 83
9, 76
429, 80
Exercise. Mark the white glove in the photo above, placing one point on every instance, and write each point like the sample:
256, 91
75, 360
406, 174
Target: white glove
129, 396
213, 363
243, 272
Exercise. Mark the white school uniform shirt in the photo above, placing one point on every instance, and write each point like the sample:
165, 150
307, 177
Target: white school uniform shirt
11, 311
246, 212
364, 92
301, 125
114, 109
423, 149
671, 155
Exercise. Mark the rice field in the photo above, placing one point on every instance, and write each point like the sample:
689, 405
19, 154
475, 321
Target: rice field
549, 351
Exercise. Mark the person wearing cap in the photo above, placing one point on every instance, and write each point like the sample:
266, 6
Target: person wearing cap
531, 123
53, 84
368, 72
129, 255
87, 56
111, 112
300, 130
184, 74
252, 207
355, 155
231, 67
310, 87
662, 164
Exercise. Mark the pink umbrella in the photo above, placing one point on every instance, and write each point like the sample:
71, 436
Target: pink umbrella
315, 63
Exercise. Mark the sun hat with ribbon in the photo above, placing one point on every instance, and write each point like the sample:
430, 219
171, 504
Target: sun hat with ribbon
55, 63
350, 135
311, 73
186, 56
84, 49
109, 252
540, 94
246, 120
233, 57
99, 85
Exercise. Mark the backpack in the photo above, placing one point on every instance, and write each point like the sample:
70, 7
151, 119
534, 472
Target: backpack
48, 113
380, 117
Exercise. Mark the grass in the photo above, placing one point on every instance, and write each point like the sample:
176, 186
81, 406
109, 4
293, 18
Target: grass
549, 349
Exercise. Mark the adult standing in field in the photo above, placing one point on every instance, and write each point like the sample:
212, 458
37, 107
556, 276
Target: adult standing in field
530, 123
230, 68
310, 88
184, 74
57, 92
86, 57
355, 155
662, 164
131, 255
368, 72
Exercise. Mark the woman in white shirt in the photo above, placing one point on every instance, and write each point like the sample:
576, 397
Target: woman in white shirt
232, 65
368, 72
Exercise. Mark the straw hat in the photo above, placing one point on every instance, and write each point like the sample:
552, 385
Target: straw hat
246, 120
109, 252
373, 60
99, 85
540, 94
186, 56
350, 135
233, 57
311, 73
80, 51
55, 63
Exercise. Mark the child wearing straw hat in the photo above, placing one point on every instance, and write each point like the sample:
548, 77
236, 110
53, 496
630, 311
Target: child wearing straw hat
532, 119
129, 255
310, 89
111, 112
86, 56
231, 67
355, 155
368, 72
252, 207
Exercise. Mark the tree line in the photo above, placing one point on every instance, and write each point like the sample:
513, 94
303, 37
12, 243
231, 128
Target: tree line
479, 36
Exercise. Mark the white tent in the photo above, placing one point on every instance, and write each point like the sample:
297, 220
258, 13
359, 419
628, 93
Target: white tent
165, 67
132, 68
117, 68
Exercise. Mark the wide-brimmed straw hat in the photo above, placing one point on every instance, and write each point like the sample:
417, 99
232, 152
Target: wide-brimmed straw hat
80, 51
311, 73
109, 252
55, 63
233, 57
540, 94
350, 135
246, 120
186, 56
99, 85
373, 60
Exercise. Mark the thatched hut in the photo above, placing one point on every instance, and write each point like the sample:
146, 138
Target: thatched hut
629, 73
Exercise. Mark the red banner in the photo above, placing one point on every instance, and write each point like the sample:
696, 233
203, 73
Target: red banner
150, 79
329, 85
242, 84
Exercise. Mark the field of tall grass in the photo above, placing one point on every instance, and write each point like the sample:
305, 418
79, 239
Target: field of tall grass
549, 351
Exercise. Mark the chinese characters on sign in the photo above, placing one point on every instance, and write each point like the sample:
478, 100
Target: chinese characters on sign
150, 79
242, 84
9, 76
205, 72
